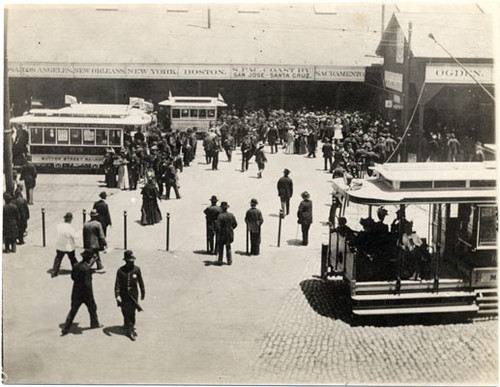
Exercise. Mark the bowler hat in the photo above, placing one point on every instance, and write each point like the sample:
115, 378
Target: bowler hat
93, 213
305, 195
254, 201
128, 256
224, 205
7, 196
87, 253
68, 215
103, 195
214, 199
286, 171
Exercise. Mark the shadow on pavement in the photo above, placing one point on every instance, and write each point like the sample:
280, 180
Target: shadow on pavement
212, 263
274, 215
114, 330
75, 329
254, 177
201, 252
331, 299
294, 242
240, 252
61, 272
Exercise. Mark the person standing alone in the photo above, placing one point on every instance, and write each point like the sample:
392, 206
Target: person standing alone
65, 244
102, 209
126, 293
225, 224
304, 215
254, 220
211, 213
285, 192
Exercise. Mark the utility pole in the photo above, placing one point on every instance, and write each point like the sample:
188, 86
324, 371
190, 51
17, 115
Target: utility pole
7, 132
406, 90
209, 22
382, 21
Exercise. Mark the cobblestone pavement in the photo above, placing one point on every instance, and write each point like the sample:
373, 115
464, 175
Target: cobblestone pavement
314, 340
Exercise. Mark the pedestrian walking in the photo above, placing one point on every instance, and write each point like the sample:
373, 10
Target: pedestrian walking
11, 219
150, 212
82, 292
285, 191
228, 146
225, 224
65, 244
327, 150
312, 144
272, 138
211, 214
247, 152
171, 181
24, 214
102, 209
254, 220
93, 238
304, 215
29, 174
260, 158
128, 278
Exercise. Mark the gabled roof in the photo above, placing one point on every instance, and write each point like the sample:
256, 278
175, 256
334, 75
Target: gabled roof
465, 35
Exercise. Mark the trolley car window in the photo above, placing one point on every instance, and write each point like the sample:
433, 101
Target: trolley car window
101, 137
115, 137
176, 113
211, 113
36, 136
62, 136
76, 136
203, 114
193, 113
185, 113
487, 226
49, 136
89, 136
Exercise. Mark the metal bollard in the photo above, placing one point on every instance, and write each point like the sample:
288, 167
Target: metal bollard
279, 227
84, 213
168, 230
125, 230
43, 227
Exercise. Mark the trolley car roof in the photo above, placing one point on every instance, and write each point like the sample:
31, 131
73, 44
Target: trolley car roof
86, 114
424, 183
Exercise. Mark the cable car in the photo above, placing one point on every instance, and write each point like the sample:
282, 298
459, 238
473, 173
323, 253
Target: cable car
193, 112
440, 253
76, 137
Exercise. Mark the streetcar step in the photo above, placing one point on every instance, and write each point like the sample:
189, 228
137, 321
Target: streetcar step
418, 310
405, 296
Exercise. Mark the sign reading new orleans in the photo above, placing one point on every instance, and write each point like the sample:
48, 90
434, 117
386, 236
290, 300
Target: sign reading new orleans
169, 71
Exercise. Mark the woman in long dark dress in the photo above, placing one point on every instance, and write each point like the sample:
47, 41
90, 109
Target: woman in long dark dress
109, 169
150, 212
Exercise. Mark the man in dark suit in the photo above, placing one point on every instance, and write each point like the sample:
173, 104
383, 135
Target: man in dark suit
11, 219
102, 209
211, 214
126, 293
254, 220
82, 292
93, 238
225, 224
24, 213
327, 153
304, 215
285, 192
29, 174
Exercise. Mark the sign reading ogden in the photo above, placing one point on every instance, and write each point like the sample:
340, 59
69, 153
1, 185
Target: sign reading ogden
160, 71
453, 73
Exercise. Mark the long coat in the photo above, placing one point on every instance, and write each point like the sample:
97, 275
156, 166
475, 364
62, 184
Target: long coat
102, 209
126, 283
150, 212
285, 187
28, 174
305, 213
24, 212
82, 285
225, 224
254, 219
93, 235
11, 219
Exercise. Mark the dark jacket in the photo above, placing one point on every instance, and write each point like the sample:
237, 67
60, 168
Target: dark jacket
11, 219
254, 219
93, 235
305, 212
211, 214
285, 187
126, 282
82, 285
327, 150
102, 209
28, 174
24, 211
225, 224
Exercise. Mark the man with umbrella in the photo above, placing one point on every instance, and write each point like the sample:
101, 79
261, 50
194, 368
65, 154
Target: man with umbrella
126, 293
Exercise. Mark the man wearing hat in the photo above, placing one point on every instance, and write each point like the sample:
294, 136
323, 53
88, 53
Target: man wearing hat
93, 237
254, 220
304, 215
126, 293
11, 219
65, 244
285, 191
225, 224
327, 150
260, 158
82, 292
103, 212
211, 214
29, 174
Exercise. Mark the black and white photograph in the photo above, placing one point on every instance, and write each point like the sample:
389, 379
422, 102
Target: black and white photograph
250, 193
